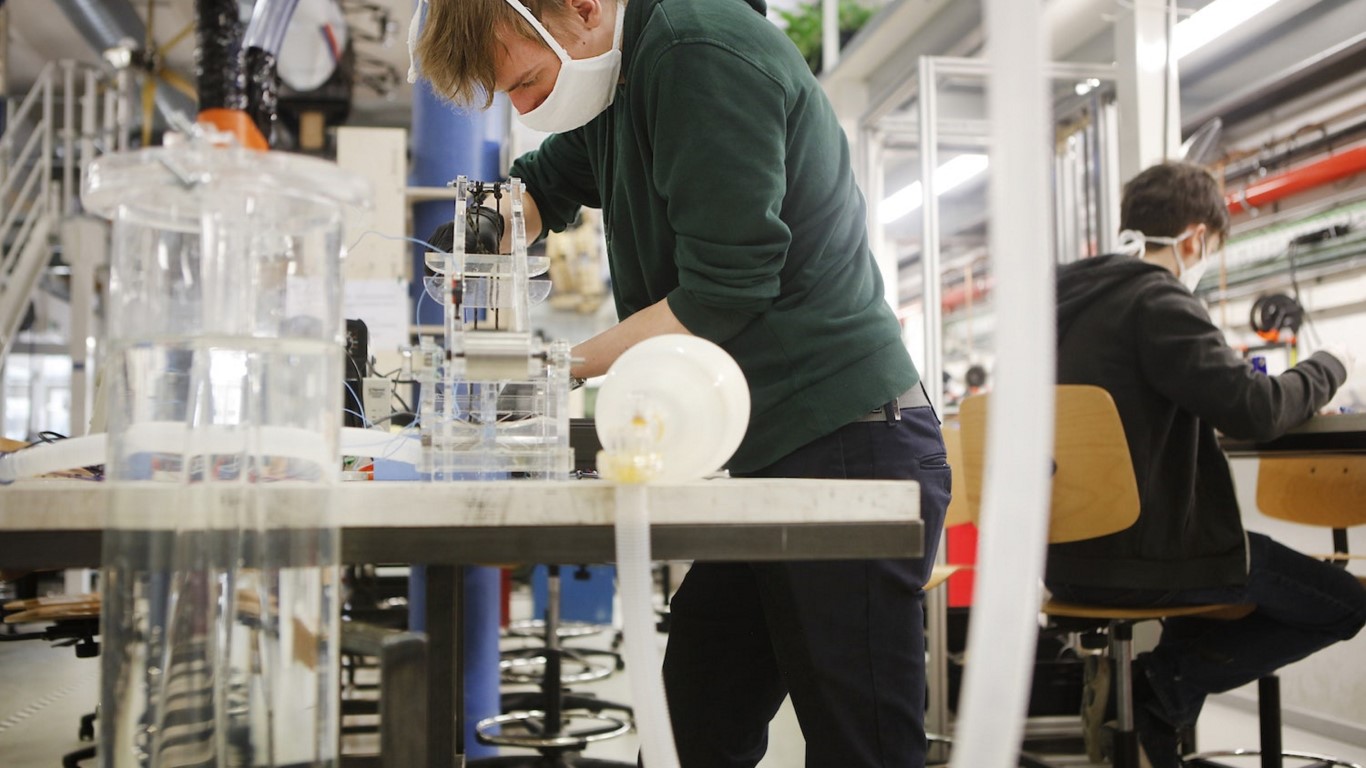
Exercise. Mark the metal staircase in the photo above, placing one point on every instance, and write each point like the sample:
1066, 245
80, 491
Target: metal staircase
42, 151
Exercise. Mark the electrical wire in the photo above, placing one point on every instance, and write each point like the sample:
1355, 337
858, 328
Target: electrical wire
1313, 332
394, 394
355, 398
393, 415
377, 233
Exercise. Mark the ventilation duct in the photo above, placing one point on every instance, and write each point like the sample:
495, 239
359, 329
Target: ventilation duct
107, 23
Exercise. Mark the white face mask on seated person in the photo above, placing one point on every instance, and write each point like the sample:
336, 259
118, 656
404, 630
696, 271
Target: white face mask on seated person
1133, 242
583, 88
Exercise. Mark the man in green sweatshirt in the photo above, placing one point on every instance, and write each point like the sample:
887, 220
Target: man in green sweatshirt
731, 213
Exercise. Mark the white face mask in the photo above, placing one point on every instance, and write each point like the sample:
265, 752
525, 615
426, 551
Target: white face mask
414, 27
584, 87
1190, 276
1133, 242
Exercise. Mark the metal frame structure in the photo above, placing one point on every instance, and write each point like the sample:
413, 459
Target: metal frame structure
877, 127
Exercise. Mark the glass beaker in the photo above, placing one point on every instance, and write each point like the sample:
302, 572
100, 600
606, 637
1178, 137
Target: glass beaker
224, 371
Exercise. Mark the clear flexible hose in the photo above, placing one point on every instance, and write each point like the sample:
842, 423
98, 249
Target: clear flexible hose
90, 449
636, 583
1014, 524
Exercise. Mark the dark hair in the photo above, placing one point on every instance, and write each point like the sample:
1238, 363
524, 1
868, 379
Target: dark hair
1165, 199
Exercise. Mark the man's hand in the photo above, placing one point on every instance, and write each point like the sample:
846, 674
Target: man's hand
483, 231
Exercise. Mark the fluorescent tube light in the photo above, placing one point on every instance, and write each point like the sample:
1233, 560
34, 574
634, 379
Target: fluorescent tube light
1212, 21
954, 173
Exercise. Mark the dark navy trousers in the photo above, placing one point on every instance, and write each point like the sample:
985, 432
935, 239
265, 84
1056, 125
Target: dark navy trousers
1303, 604
844, 638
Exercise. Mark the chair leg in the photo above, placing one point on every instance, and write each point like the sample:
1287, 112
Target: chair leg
1126, 739
1269, 719
73, 759
1272, 752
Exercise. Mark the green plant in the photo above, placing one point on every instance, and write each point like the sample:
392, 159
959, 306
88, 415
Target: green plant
804, 27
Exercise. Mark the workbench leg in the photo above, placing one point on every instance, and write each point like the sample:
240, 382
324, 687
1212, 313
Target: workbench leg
446, 694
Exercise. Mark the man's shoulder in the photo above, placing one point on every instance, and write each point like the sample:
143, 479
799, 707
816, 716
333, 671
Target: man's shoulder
731, 25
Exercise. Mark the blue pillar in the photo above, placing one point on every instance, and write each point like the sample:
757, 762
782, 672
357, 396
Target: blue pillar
446, 143
449, 142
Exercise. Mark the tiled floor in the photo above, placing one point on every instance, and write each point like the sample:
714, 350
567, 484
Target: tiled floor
44, 691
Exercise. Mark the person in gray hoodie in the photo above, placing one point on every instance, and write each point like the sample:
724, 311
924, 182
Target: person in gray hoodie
1130, 324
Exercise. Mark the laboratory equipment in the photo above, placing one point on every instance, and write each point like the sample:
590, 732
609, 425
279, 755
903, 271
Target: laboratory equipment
495, 396
220, 604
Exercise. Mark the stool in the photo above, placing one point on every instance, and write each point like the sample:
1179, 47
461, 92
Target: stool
1094, 494
555, 723
1324, 491
1117, 624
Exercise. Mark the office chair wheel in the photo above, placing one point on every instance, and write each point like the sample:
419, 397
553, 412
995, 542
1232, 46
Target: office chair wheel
87, 729
549, 759
1310, 759
531, 668
566, 629
529, 729
521, 701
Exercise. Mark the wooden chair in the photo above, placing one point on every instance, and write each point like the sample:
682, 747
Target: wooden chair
68, 620
959, 511
1094, 494
1323, 491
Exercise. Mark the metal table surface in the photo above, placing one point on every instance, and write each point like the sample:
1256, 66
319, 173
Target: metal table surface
59, 523
1333, 433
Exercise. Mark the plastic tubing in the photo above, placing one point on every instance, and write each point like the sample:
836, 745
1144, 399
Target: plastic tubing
269, 20
170, 436
178, 437
1014, 521
380, 444
52, 457
642, 656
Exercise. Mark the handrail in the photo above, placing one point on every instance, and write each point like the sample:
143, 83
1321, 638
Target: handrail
40, 172
20, 160
29, 210
17, 117
25, 197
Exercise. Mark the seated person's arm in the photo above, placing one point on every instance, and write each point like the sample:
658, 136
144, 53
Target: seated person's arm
1185, 357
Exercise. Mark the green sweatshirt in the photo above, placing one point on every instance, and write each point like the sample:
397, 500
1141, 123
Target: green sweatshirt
726, 186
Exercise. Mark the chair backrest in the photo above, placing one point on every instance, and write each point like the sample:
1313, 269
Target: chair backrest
959, 511
1322, 490
1094, 490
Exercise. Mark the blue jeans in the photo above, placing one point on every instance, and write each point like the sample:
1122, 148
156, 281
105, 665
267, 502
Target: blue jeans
1303, 605
844, 638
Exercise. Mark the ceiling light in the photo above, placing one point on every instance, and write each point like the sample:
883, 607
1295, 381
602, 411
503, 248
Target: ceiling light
954, 173
1084, 87
120, 55
1212, 21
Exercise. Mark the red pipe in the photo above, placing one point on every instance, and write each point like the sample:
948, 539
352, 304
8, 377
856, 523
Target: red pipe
957, 296
1295, 180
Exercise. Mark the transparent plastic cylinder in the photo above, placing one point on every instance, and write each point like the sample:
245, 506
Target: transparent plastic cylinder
223, 383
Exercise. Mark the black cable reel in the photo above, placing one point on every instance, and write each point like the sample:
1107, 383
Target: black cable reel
1275, 315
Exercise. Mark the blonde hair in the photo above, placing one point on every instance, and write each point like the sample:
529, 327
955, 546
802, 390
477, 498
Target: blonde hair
456, 49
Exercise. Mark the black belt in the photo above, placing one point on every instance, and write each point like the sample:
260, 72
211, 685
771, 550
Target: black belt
891, 410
